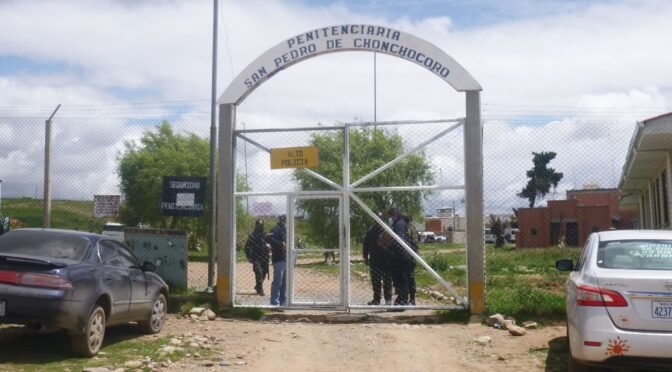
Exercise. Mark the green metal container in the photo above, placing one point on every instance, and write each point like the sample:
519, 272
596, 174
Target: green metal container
167, 249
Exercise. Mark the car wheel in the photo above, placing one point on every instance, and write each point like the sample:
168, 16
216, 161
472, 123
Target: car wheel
88, 344
156, 317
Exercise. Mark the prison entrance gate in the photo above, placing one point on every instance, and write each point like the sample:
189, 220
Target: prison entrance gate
324, 207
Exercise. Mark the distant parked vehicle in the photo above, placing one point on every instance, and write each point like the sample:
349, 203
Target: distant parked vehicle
114, 230
510, 234
427, 237
619, 300
489, 236
78, 282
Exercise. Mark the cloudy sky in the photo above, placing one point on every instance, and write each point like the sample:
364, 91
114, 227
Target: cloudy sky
565, 76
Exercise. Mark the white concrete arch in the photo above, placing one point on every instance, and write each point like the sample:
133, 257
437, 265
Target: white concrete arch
342, 38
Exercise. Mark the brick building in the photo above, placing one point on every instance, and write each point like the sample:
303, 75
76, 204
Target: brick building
584, 212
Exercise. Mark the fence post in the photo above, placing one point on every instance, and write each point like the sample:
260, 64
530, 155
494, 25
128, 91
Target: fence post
226, 202
473, 169
46, 213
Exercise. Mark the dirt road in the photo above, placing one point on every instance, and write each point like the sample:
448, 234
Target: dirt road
302, 346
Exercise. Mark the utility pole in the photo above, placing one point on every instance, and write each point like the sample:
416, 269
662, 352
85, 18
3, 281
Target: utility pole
46, 216
213, 148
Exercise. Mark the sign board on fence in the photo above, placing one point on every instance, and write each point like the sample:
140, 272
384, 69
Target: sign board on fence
106, 205
295, 157
183, 196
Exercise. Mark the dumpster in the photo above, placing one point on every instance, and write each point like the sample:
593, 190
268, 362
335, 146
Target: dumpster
167, 249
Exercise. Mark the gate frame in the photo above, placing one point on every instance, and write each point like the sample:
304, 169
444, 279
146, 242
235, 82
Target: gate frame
291, 248
391, 42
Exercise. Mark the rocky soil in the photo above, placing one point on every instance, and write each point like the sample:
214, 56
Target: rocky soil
301, 344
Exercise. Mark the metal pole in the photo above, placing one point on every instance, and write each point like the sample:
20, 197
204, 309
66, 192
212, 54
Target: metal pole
226, 205
454, 216
212, 230
345, 233
473, 169
46, 216
375, 89
0, 197
247, 200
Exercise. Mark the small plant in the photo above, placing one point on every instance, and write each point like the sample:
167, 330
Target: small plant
438, 262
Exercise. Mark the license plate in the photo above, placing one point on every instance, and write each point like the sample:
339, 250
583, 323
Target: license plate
3, 308
661, 309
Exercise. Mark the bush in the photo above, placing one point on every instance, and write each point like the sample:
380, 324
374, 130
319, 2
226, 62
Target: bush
438, 262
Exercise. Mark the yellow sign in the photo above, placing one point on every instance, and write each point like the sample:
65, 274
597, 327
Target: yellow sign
295, 157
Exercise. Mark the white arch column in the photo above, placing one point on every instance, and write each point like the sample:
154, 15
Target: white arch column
226, 205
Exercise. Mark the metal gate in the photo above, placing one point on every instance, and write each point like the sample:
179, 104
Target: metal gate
329, 207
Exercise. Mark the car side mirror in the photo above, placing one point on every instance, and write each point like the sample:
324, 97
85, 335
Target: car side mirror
148, 266
566, 264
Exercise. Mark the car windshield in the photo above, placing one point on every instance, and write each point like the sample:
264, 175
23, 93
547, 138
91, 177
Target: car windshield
44, 244
635, 254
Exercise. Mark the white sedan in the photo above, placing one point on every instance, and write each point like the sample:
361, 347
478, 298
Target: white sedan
619, 300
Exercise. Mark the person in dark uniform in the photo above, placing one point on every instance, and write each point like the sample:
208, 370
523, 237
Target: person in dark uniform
278, 239
403, 263
256, 251
412, 234
378, 260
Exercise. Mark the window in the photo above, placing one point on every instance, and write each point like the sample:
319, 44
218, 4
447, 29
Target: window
584, 254
46, 244
126, 257
635, 255
533, 232
108, 253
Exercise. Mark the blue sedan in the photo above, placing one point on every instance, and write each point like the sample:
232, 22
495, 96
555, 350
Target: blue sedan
52, 280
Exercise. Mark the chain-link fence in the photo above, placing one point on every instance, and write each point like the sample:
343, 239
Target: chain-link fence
415, 167
86, 158
323, 269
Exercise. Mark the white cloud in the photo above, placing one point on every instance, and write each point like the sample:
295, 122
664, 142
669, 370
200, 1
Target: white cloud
584, 77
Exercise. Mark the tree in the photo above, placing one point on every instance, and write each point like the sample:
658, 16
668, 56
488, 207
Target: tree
541, 177
370, 148
142, 166
497, 227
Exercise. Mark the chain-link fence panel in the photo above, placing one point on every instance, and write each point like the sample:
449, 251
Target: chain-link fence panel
553, 182
299, 215
574, 163
391, 165
415, 185
100, 152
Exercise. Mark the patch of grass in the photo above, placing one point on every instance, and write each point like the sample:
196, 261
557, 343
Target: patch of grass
65, 214
251, 313
52, 353
332, 269
517, 298
454, 316
430, 247
526, 260
202, 255
181, 304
